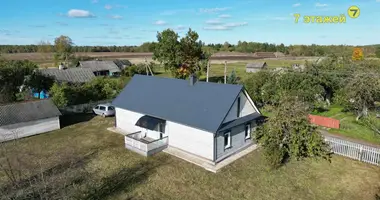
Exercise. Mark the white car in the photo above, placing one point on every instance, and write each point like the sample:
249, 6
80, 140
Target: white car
104, 110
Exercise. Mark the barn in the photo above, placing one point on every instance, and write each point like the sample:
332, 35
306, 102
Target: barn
209, 121
25, 119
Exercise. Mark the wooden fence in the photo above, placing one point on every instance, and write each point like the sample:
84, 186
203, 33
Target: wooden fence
324, 121
82, 108
353, 150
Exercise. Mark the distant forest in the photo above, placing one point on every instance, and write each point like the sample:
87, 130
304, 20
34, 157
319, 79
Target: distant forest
242, 47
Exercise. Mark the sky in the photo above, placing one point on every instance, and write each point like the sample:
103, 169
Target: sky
132, 22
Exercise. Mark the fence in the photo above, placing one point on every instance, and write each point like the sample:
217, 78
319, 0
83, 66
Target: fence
353, 150
324, 121
82, 108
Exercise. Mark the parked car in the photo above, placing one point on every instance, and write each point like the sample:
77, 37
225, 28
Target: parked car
104, 110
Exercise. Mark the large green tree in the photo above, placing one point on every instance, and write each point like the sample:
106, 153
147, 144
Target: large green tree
182, 57
288, 134
63, 46
12, 77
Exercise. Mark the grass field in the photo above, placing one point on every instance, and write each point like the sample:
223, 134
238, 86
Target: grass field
106, 170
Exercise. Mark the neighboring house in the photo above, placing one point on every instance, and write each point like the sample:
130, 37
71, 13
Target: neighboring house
69, 75
122, 64
265, 54
24, 119
279, 54
254, 67
100, 67
207, 120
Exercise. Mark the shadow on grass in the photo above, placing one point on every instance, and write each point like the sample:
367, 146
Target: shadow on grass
125, 180
71, 119
49, 182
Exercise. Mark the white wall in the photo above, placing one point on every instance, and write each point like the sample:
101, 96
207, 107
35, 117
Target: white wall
20, 130
192, 140
126, 120
246, 108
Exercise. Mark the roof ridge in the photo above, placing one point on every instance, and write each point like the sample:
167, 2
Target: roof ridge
25, 102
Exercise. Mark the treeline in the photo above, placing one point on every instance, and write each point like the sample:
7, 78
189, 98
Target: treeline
241, 46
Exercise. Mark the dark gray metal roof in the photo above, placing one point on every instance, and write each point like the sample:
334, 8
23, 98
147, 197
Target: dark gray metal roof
27, 111
256, 65
203, 105
71, 75
100, 65
242, 120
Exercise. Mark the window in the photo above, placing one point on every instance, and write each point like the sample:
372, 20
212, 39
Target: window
238, 107
111, 108
227, 140
102, 108
97, 107
247, 131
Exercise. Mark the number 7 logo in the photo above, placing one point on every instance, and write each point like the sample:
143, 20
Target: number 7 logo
353, 12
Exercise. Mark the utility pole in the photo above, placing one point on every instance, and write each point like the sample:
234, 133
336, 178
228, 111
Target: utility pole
225, 72
208, 70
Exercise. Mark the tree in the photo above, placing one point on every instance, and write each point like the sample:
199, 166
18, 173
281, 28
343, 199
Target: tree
232, 78
362, 91
377, 52
182, 57
12, 77
357, 54
191, 51
289, 135
60, 94
63, 49
254, 85
167, 50
39, 82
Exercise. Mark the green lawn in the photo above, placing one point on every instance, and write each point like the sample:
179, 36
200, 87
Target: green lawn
85, 161
349, 126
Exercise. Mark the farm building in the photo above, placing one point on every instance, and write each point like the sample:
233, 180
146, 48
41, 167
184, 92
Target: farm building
209, 121
100, 67
264, 54
69, 75
25, 119
255, 67
122, 64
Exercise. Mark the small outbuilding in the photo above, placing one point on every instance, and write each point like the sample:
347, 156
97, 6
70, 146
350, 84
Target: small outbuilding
101, 67
25, 119
257, 66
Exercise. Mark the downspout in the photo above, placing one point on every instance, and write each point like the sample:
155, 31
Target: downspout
215, 136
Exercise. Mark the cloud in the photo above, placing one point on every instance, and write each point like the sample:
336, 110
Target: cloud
108, 7
116, 17
296, 5
180, 28
377, 0
75, 13
231, 25
160, 22
212, 10
321, 5
218, 28
37, 26
280, 18
227, 26
94, 1
224, 16
214, 22
62, 23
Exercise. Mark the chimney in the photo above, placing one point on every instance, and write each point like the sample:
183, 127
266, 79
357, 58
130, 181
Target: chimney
193, 79
61, 67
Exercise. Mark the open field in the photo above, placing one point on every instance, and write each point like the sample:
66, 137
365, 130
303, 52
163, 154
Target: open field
85, 161
46, 59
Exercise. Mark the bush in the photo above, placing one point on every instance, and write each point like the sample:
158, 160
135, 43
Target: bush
137, 69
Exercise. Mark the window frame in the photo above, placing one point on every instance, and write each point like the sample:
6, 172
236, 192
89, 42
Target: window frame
112, 108
238, 107
105, 108
247, 131
228, 145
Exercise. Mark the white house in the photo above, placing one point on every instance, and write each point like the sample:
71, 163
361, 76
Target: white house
208, 120
24, 119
